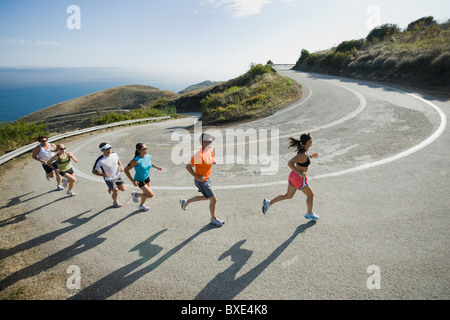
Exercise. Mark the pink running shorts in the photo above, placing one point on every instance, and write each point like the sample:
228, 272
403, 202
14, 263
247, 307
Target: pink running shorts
297, 181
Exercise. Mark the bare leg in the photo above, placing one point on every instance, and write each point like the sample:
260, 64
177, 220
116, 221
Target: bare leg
147, 193
291, 190
71, 179
309, 198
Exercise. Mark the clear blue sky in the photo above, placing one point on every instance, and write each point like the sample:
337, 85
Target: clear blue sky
196, 39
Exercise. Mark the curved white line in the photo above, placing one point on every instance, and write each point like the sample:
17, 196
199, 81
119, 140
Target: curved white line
366, 166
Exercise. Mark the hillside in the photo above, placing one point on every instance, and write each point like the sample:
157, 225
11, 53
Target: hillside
199, 86
258, 93
82, 111
417, 56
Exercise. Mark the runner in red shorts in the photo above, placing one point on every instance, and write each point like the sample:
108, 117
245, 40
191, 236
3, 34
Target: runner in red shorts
298, 179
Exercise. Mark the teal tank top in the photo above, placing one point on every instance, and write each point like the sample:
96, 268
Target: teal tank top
142, 170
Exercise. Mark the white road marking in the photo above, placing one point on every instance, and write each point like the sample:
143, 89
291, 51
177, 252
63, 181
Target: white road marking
366, 166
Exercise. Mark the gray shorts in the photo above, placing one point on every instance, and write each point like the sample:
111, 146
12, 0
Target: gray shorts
112, 184
205, 188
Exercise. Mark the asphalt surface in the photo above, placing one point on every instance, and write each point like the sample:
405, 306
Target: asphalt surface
381, 190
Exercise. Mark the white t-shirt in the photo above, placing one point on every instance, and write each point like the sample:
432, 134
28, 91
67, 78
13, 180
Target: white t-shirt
108, 164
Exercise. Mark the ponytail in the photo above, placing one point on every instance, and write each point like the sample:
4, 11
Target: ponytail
294, 143
136, 152
300, 144
138, 147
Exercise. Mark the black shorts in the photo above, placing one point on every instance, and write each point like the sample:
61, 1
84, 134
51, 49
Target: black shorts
143, 183
63, 173
48, 169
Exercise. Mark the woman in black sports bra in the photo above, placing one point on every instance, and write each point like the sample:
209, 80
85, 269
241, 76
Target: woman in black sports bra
298, 179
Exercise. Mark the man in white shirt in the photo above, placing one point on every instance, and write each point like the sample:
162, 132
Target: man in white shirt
109, 167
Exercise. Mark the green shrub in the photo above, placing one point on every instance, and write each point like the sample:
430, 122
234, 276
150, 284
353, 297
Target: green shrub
259, 69
420, 23
383, 32
442, 63
303, 56
389, 64
17, 134
346, 46
312, 59
252, 94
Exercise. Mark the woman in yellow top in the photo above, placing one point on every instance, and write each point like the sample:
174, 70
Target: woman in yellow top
202, 161
62, 159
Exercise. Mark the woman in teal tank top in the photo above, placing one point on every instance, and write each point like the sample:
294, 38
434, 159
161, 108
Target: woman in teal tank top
62, 159
142, 162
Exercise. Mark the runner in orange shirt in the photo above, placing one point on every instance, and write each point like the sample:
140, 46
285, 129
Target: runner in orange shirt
202, 161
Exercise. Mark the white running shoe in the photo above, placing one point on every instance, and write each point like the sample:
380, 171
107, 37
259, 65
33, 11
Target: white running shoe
60, 187
117, 204
71, 193
217, 222
135, 198
183, 204
48, 178
64, 182
143, 208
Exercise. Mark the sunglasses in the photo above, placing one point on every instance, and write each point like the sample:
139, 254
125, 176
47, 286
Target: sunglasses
62, 149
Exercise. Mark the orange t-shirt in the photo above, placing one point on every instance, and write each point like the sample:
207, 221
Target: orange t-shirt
203, 161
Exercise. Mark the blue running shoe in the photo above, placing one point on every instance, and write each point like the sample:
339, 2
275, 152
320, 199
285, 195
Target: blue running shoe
266, 206
312, 216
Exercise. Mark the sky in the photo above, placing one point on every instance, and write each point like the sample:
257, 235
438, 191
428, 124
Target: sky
189, 40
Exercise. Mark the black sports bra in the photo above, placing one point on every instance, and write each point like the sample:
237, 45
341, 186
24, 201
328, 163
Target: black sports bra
305, 164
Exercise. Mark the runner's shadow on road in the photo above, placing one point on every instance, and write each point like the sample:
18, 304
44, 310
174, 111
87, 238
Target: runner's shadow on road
225, 286
82, 245
17, 200
127, 275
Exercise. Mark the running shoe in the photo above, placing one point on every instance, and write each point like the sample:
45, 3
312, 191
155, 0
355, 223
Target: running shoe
183, 204
217, 222
266, 206
312, 216
143, 208
64, 182
48, 178
71, 193
60, 187
117, 204
135, 198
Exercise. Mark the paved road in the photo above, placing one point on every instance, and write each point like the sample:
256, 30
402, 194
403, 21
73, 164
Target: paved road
381, 185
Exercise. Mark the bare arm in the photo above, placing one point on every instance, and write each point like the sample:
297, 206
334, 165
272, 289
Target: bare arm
53, 159
70, 154
127, 169
190, 169
157, 167
298, 158
35, 154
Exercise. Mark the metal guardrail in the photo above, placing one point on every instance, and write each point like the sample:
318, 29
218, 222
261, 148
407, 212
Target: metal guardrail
13, 154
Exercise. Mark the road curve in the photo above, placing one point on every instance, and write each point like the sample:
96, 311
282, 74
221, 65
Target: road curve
381, 186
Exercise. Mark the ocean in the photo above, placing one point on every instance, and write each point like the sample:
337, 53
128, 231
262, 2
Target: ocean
19, 101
